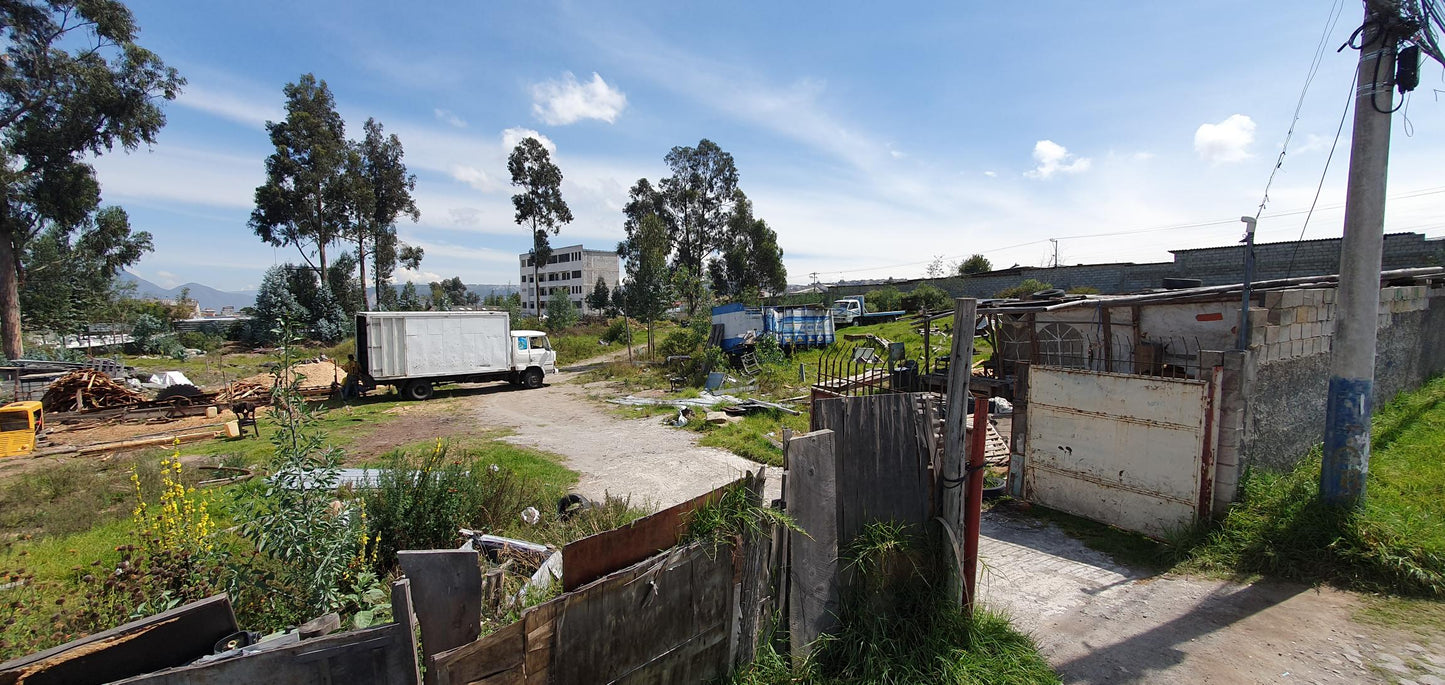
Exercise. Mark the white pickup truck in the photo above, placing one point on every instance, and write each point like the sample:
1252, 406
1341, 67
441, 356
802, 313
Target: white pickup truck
415, 351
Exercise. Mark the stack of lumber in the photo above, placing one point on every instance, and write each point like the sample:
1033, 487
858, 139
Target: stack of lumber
87, 389
245, 389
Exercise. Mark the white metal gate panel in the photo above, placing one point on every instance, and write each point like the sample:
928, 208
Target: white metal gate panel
1126, 450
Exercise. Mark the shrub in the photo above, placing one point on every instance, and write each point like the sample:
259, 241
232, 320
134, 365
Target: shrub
618, 332
422, 499
883, 300
1028, 287
925, 297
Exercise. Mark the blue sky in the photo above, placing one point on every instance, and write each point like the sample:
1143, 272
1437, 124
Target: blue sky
871, 138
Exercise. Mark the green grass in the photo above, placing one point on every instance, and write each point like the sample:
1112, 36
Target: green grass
1394, 543
897, 627
1420, 616
749, 438
543, 468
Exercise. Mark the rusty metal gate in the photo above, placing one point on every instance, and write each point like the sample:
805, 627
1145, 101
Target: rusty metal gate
1136, 452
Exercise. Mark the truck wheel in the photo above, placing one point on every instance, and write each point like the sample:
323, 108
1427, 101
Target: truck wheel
532, 378
418, 390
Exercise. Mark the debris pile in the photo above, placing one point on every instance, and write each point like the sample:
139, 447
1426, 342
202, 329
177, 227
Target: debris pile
87, 389
245, 389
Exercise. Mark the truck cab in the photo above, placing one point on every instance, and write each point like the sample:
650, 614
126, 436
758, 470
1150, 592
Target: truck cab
532, 357
847, 310
19, 422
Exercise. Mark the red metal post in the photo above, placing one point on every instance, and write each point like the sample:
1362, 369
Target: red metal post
973, 510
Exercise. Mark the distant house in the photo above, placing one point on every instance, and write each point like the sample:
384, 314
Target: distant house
574, 270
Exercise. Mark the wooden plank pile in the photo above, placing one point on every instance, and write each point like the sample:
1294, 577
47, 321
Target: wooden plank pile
87, 389
247, 390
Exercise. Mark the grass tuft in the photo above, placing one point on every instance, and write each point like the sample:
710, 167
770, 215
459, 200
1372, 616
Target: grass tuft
1394, 543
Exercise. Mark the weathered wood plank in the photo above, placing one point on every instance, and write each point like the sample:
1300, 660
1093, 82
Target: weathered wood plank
592, 557
883, 460
500, 652
446, 586
170, 638
753, 584
620, 625
813, 504
960, 363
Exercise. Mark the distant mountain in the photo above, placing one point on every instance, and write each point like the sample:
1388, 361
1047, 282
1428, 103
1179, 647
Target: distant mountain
210, 298
206, 296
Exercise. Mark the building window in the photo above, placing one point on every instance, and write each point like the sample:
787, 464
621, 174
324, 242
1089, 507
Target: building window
576, 274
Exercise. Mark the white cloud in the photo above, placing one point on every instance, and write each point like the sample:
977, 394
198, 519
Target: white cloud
517, 134
568, 101
1054, 158
1226, 141
473, 177
417, 276
448, 117
234, 106
991, 174
166, 279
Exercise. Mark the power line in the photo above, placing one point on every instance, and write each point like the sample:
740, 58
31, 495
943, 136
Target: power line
1323, 172
1314, 69
1155, 229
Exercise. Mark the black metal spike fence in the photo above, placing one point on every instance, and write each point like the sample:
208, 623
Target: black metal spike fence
1174, 357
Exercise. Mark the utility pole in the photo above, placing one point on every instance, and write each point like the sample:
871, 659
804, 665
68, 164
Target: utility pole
1349, 405
1248, 241
1056, 251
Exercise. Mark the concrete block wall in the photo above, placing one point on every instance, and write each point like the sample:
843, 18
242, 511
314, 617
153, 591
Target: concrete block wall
1289, 356
1236, 378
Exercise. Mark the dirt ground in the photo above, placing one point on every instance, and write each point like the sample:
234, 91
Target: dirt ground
641, 458
1099, 622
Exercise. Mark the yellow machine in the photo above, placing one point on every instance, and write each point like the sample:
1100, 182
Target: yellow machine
19, 422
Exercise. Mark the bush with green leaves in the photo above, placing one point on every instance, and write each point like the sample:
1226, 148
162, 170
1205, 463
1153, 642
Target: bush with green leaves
561, 313
925, 297
619, 332
883, 300
421, 499
1028, 287
295, 519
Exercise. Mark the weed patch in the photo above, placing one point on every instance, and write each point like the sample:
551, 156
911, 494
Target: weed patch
1394, 543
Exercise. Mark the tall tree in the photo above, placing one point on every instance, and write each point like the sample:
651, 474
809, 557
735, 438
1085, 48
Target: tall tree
409, 300
73, 84
699, 194
976, 264
307, 193
388, 252
648, 289
382, 196
600, 298
70, 278
539, 206
749, 260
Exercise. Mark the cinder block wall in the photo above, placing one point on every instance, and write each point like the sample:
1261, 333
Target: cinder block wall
1288, 365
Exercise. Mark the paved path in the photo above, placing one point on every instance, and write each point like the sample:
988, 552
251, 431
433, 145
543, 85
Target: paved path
1099, 622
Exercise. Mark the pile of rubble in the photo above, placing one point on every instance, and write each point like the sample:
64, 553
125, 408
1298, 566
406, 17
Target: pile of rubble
87, 389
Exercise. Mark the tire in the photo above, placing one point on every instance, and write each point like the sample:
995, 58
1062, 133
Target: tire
1049, 294
418, 390
570, 505
183, 390
532, 378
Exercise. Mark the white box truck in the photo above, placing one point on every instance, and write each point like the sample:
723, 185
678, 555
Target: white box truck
414, 351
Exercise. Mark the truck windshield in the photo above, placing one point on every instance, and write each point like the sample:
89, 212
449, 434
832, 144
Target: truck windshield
14, 421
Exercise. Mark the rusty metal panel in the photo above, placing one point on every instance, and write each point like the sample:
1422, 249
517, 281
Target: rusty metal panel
1121, 449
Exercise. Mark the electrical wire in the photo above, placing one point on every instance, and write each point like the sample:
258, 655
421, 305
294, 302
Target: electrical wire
1422, 192
1338, 129
1315, 62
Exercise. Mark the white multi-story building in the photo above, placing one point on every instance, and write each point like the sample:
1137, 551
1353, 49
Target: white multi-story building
574, 269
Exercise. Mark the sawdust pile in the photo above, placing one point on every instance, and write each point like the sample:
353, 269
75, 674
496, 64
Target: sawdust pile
314, 375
